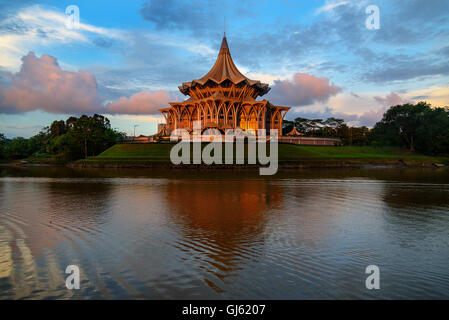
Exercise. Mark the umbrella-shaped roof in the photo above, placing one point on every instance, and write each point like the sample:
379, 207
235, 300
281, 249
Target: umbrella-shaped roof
225, 69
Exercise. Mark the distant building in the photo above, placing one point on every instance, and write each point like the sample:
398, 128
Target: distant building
311, 141
295, 133
296, 137
139, 139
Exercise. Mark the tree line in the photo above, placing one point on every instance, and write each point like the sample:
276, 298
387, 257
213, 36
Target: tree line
72, 139
417, 127
331, 127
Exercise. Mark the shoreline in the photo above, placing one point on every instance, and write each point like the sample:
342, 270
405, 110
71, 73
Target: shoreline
291, 157
284, 165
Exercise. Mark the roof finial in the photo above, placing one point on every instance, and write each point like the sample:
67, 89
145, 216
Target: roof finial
224, 24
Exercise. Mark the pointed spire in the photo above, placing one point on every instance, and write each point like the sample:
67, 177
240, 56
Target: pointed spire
225, 69
224, 44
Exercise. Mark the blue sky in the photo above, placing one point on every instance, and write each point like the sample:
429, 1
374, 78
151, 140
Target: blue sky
128, 57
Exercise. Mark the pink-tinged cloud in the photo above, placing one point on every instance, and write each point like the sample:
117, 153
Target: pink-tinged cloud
370, 118
393, 99
42, 85
302, 90
143, 102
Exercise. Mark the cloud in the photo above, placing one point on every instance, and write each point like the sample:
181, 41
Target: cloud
41, 84
200, 17
437, 96
407, 68
325, 113
9, 7
33, 26
143, 102
303, 89
393, 99
330, 5
370, 118
174, 14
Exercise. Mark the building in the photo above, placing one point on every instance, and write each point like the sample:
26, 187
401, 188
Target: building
224, 99
139, 139
161, 134
311, 141
296, 137
294, 133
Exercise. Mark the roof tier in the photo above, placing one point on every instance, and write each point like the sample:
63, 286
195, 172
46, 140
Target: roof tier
225, 69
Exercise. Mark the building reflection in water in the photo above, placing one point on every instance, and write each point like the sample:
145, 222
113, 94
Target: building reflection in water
222, 223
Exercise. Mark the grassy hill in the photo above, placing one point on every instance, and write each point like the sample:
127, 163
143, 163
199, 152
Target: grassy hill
160, 152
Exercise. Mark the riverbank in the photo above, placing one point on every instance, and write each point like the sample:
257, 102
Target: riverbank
290, 157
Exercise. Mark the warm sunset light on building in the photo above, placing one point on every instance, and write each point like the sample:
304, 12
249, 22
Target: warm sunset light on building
224, 99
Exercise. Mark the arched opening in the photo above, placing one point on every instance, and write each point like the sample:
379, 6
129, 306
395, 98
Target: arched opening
242, 118
171, 120
209, 114
221, 116
230, 116
184, 122
252, 121
195, 116
276, 120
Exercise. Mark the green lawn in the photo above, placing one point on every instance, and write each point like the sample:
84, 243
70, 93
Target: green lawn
287, 152
150, 152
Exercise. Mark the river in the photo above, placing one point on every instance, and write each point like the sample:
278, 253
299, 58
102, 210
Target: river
138, 234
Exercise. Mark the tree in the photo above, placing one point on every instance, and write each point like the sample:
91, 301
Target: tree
90, 135
17, 148
287, 126
334, 123
58, 128
406, 119
3, 142
418, 127
70, 140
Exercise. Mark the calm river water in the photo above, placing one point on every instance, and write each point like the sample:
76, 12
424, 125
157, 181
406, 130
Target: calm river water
173, 234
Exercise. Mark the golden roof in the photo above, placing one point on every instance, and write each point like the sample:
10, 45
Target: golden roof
225, 69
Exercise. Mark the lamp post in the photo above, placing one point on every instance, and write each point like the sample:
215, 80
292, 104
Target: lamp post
136, 125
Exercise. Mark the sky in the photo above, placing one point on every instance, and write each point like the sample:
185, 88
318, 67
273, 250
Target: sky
125, 59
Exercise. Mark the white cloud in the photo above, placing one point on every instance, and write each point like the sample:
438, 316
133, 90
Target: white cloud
34, 26
37, 27
330, 6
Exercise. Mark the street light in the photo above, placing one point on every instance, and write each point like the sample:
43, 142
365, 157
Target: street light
136, 125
